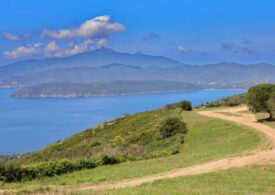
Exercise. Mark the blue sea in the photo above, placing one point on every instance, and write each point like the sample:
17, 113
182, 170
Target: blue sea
27, 125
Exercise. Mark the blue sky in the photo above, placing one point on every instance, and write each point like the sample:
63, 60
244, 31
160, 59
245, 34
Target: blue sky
191, 31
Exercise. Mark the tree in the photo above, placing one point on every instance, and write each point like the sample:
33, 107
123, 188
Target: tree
271, 105
186, 105
171, 126
258, 97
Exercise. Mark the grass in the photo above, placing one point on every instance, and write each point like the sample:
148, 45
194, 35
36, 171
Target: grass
207, 139
131, 136
248, 180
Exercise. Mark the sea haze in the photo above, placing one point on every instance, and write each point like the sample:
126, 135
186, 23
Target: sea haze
27, 125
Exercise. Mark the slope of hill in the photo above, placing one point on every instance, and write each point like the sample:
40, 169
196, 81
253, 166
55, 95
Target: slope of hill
207, 140
131, 136
103, 89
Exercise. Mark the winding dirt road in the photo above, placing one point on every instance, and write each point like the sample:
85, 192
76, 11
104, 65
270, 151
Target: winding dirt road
257, 157
260, 156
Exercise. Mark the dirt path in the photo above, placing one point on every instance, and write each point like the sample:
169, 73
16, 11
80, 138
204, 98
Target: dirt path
257, 157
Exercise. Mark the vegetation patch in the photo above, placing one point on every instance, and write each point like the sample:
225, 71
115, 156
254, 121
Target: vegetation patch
261, 98
172, 126
207, 139
132, 137
233, 181
13, 172
235, 100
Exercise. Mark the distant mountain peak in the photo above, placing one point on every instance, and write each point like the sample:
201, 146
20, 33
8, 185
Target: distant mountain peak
115, 65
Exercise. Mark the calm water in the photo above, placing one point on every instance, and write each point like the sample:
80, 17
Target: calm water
29, 124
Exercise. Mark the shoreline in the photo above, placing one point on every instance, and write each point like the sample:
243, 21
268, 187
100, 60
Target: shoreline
121, 94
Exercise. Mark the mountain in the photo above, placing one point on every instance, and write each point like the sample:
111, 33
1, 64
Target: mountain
94, 58
103, 89
106, 65
221, 75
106, 73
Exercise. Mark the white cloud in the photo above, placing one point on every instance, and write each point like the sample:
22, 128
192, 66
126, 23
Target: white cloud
52, 49
55, 50
10, 36
85, 46
101, 26
181, 49
94, 34
24, 51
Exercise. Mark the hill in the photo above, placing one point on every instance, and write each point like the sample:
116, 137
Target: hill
107, 73
131, 136
94, 58
207, 140
103, 89
221, 75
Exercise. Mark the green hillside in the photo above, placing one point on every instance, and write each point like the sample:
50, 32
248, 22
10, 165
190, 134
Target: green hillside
207, 139
131, 136
247, 180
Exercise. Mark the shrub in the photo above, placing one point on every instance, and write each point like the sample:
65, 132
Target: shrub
186, 105
11, 172
171, 126
109, 160
86, 164
258, 97
271, 105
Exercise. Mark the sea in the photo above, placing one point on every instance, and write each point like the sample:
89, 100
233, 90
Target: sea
29, 124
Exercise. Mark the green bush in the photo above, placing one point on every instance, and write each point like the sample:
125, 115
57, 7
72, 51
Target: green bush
11, 172
54, 168
186, 105
109, 160
171, 126
259, 96
271, 105
86, 164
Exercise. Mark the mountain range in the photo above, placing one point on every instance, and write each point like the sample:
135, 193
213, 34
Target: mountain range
106, 65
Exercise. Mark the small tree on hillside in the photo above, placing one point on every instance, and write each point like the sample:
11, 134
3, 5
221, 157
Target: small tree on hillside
258, 97
271, 105
171, 126
186, 105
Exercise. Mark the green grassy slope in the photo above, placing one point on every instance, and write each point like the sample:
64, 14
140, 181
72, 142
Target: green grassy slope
132, 136
249, 180
207, 139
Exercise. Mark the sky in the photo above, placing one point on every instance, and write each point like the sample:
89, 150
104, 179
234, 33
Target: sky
190, 31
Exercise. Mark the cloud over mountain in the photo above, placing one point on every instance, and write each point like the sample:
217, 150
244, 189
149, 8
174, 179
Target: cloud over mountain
100, 26
90, 35
24, 51
52, 49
